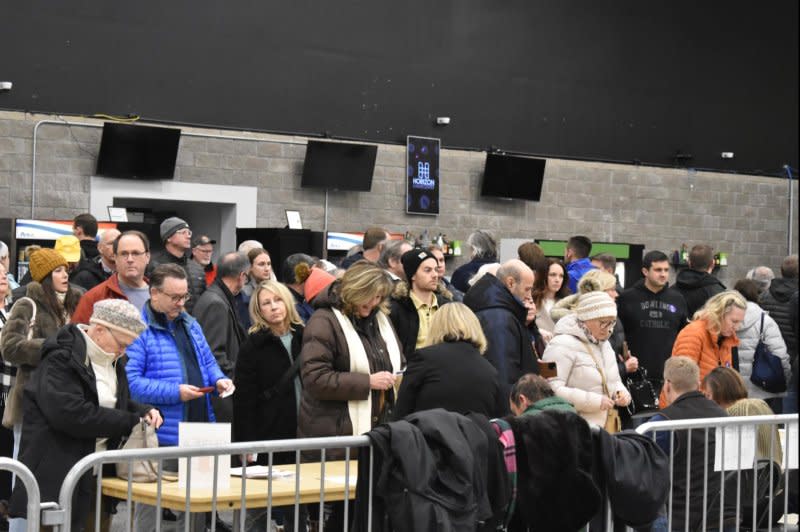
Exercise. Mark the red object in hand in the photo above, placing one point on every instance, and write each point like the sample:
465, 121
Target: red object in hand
206, 389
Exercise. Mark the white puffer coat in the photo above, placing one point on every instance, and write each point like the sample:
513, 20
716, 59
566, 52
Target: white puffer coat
578, 380
748, 335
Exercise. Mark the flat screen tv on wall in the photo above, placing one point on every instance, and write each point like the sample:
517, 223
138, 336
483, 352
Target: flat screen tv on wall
339, 166
513, 177
138, 152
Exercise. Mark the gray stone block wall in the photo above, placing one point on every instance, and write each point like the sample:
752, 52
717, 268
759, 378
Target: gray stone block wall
745, 216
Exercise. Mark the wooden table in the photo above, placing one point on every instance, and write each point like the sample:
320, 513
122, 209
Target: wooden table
256, 495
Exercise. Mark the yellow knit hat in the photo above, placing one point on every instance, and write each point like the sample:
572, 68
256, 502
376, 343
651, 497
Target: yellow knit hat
43, 261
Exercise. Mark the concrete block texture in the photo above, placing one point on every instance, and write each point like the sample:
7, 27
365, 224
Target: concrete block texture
745, 216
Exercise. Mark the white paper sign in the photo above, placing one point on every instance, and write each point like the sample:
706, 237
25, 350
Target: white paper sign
789, 454
205, 435
737, 455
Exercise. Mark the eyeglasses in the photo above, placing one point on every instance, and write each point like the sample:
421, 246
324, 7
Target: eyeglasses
132, 254
201, 250
122, 346
183, 298
184, 232
607, 324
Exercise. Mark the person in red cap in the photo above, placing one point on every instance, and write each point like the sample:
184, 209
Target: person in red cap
317, 282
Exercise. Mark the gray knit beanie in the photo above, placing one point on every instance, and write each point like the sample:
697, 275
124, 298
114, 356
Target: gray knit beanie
170, 226
119, 315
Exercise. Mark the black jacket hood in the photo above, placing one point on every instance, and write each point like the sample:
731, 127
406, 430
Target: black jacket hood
782, 289
692, 279
490, 292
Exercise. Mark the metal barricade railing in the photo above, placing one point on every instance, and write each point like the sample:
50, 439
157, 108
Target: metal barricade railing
62, 516
24, 475
743, 470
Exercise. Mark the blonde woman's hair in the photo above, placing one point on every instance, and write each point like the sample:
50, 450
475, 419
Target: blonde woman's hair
280, 290
455, 322
683, 373
718, 306
361, 283
596, 281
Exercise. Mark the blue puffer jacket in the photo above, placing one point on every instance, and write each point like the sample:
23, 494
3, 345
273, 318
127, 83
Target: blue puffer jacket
155, 369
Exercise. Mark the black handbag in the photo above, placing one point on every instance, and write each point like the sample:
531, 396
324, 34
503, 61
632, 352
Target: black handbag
767, 372
643, 393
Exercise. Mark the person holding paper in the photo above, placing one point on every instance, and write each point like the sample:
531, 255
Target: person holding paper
349, 358
171, 363
727, 388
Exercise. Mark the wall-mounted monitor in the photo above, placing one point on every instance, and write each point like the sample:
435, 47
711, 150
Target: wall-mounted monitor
138, 152
422, 186
339, 166
513, 177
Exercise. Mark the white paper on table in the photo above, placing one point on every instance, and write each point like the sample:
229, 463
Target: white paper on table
261, 471
736, 457
790, 454
205, 435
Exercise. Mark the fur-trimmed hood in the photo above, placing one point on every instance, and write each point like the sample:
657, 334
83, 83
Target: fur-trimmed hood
402, 289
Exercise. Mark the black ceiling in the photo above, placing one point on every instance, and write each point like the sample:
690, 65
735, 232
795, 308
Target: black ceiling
616, 81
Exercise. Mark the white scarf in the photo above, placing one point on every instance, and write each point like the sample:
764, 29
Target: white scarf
361, 411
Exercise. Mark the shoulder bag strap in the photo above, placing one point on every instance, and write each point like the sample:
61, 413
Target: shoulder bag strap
32, 323
598, 366
761, 331
285, 378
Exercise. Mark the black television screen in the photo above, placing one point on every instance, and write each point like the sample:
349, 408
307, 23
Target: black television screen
514, 177
138, 152
339, 166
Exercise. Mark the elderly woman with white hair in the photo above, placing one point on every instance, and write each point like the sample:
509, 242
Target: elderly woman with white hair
5, 262
77, 402
587, 374
483, 250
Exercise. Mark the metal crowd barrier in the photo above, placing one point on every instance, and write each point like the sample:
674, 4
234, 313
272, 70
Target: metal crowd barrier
62, 516
753, 491
25, 475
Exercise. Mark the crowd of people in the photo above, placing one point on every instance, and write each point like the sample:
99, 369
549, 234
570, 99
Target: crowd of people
104, 332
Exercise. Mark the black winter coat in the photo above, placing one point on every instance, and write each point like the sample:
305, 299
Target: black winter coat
431, 473
690, 446
696, 288
89, 273
556, 491
453, 376
405, 318
263, 410
63, 420
776, 301
502, 318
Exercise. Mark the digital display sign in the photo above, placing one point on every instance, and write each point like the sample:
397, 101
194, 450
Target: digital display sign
422, 161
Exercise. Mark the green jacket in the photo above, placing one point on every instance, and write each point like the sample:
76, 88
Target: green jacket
549, 403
